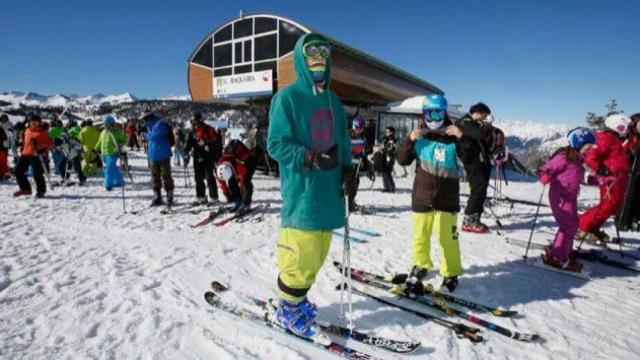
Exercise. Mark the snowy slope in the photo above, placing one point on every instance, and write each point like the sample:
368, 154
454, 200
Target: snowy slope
80, 279
522, 135
34, 99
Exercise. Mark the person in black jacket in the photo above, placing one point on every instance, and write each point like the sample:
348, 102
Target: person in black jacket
389, 153
206, 145
477, 164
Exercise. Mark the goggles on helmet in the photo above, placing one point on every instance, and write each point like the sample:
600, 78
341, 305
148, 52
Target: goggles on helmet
434, 115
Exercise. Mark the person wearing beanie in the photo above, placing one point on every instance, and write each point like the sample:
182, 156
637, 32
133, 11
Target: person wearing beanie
36, 142
88, 137
160, 140
476, 159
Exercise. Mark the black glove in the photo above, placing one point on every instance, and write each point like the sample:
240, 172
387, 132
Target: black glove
326, 160
347, 174
186, 160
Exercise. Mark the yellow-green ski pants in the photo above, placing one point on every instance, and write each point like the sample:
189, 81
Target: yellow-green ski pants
443, 224
301, 254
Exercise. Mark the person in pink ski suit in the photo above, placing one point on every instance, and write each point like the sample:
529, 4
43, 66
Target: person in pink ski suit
564, 172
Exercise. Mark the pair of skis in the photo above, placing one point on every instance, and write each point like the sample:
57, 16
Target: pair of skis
240, 216
441, 301
266, 320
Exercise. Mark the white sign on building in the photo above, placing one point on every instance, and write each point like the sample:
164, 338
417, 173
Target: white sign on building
259, 83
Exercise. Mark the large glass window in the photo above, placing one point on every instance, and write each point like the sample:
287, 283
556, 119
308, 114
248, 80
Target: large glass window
243, 69
266, 47
264, 24
223, 34
204, 56
247, 50
273, 65
243, 28
222, 72
289, 34
222, 55
238, 55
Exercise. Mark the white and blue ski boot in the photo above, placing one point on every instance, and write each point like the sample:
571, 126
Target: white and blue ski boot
300, 319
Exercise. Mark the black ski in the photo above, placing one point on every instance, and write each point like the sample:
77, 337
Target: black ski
399, 279
443, 306
264, 322
401, 347
598, 256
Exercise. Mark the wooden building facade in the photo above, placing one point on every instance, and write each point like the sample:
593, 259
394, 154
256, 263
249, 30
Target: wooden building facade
262, 41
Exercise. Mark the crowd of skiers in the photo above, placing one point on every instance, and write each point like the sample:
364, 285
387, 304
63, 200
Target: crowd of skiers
321, 153
34, 144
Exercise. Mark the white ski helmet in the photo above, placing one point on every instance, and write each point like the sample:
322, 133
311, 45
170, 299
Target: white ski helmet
224, 171
618, 123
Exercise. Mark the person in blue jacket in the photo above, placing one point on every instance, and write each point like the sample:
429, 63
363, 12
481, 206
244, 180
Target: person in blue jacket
160, 140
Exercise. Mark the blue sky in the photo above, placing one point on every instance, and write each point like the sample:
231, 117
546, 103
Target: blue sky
549, 61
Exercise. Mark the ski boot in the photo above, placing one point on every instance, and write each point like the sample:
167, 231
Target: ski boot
169, 198
199, 201
572, 264
472, 224
414, 284
157, 198
589, 238
298, 318
450, 282
21, 193
602, 236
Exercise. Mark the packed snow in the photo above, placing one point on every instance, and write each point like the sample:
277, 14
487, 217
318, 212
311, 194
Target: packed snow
81, 279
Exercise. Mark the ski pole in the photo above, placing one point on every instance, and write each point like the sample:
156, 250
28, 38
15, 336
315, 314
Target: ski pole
533, 226
346, 265
44, 170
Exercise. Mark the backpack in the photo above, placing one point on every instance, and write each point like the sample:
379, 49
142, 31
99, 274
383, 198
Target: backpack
498, 149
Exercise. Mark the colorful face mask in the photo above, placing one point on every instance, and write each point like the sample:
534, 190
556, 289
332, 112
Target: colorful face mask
316, 54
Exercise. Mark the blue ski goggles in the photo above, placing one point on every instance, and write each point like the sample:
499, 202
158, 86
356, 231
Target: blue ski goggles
434, 115
316, 49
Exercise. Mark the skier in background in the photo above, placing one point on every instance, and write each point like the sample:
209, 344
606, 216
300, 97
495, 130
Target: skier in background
235, 171
71, 151
389, 154
477, 164
609, 167
359, 151
178, 148
6, 137
206, 146
435, 201
110, 144
132, 135
308, 137
160, 140
564, 172
88, 137
36, 142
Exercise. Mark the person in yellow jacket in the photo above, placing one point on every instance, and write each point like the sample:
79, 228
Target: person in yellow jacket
88, 136
109, 145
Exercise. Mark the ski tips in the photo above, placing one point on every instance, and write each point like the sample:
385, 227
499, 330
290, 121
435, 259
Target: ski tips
218, 286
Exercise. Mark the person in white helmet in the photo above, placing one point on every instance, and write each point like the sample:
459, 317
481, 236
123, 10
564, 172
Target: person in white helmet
609, 167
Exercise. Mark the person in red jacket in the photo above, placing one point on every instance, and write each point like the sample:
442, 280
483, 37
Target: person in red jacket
132, 136
234, 173
36, 142
609, 166
634, 134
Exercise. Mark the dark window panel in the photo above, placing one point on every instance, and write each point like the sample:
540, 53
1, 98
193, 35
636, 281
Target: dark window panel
266, 47
243, 28
273, 65
289, 34
222, 72
204, 56
222, 55
238, 55
264, 24
223, 34
247, 50
242, 69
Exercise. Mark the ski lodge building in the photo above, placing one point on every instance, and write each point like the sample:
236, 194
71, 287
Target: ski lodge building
250, 57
